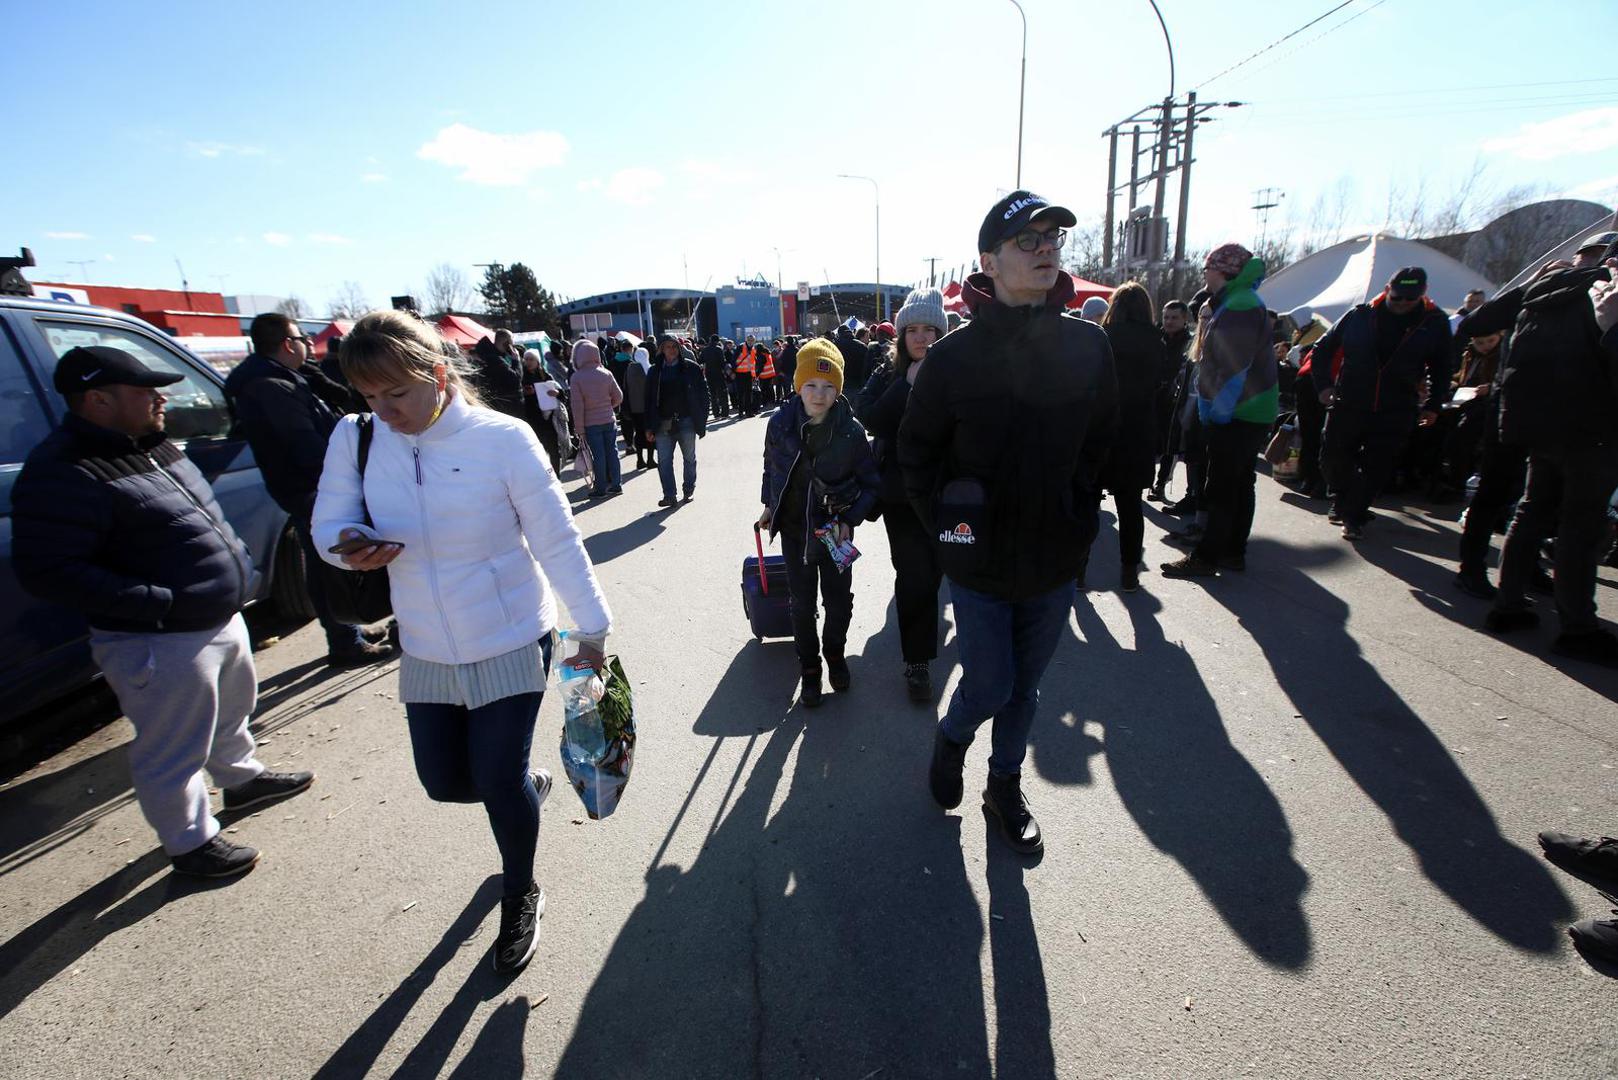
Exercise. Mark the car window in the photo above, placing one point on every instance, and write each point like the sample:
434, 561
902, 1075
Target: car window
196, 405
23, 423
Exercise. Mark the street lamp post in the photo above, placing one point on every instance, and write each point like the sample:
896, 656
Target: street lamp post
880, 298
1022, 87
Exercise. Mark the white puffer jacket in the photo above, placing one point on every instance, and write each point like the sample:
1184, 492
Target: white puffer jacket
486, 530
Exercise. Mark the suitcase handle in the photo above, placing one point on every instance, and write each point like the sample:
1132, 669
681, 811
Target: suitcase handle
758, 542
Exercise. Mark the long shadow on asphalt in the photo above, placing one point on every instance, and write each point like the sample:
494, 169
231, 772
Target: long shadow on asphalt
1193, 794
498, 1049
825, 924
1386, 748
37, 954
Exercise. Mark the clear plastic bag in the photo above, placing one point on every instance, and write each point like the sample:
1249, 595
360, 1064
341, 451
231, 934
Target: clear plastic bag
598, 730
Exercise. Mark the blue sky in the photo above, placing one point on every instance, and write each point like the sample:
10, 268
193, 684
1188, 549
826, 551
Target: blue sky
287, 148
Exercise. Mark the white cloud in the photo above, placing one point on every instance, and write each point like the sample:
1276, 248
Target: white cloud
374, 178
485, 157
277, 239
109, 258
1586, 132
634, 186
329, 239
1603, 190
220, 149
590, 185
67, 236
715, 173
143, 238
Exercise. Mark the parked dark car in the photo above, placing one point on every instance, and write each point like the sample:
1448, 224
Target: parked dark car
44, 649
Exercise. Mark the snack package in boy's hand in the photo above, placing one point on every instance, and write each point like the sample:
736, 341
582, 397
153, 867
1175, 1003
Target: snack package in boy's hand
843, 552
598, 732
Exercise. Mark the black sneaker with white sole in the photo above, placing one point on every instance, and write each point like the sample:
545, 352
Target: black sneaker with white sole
218, 858
266, 787
519, 930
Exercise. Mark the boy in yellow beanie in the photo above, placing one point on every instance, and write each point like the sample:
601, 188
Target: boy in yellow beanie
820, 480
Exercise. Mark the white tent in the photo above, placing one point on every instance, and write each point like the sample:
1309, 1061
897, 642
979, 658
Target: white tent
1336, 278
1565, 250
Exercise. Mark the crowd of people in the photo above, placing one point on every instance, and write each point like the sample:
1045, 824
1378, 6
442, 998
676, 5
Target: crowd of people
983, 443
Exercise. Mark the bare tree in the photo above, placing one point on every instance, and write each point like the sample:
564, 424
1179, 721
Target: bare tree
447, 289
1328, 215
292, 307
350, 302
1082, 254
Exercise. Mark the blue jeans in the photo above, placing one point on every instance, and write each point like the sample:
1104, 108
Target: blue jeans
603, 442
683, 431
1005, 647
481, 755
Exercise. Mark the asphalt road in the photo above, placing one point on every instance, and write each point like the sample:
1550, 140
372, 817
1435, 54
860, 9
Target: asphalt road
1290, 820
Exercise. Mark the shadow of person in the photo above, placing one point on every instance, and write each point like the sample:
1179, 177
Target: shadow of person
498, 1049
1389, 752
361, 1049
1193, 794
1022, 1008
824, 927
37, 954
607, 545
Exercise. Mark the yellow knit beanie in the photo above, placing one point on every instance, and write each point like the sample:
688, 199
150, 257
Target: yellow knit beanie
819, 359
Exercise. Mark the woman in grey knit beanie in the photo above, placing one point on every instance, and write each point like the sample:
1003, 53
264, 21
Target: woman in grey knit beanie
880, 406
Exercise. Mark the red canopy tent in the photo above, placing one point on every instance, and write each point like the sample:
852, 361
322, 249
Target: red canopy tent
1082, 291
337, 328
463, 331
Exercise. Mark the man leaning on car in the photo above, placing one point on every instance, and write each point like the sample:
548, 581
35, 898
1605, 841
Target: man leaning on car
110, 519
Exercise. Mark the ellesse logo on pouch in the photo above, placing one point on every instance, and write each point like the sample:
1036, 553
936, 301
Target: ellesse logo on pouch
961, 534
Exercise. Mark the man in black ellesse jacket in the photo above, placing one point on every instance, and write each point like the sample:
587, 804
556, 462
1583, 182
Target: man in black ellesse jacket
111, 519
1001, 446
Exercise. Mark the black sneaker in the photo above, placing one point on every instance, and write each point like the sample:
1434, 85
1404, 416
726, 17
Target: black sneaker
837, 673
1004, 799
1130, 579
1542, 583
1190, 566
360, 653
1596, 646
1183, 508
668, 500
944, 775
1598, 856
1334, 516
1353, 530
919, 681
1599, 937
519, 930
1504, 621
266, 787
218, 858
811, 695
1475, 584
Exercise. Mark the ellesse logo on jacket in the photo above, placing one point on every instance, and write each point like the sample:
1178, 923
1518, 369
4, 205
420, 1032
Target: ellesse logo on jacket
961, 534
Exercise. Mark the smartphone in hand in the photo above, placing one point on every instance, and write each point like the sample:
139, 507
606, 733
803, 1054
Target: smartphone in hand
360, 543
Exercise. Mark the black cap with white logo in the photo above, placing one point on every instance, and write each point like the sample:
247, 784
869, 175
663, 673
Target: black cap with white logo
1014, 213
90, 367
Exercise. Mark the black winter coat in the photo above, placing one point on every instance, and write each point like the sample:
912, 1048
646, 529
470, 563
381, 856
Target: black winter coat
287, 417
696, 392
845, 479
498, 378
127, 532
856, 358
1368, 381
1559, 381
880, 406
1138, 356
1004, 438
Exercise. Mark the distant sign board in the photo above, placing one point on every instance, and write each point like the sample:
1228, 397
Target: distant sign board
61, 293
803, 291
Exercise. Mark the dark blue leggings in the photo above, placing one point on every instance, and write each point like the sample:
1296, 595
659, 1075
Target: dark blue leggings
481, 755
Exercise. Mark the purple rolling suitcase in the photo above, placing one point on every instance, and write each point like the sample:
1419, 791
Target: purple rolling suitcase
764, 592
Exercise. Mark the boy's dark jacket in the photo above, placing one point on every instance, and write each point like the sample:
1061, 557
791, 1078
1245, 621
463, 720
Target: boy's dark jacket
1009, 424
845, 474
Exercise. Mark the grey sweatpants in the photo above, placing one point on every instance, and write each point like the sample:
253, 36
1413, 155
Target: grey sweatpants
189, 696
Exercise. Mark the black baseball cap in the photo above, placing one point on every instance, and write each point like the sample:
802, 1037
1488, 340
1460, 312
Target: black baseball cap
89, 367
1408, 284
1014, 213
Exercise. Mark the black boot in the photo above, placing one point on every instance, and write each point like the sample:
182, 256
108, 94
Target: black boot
837, 672
1003, 798
811, 696
944, 777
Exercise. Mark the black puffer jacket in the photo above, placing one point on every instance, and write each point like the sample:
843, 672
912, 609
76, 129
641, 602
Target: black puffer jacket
287, 417
126, 532
856, 357
844, 476
1138, 358
1366, 379
880, 405
1559, 382
1003, 441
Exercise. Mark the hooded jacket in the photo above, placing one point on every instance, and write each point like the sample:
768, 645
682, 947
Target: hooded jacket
126, 532
594, 393
1003, 440
1559, 380
844, 475
1347, 358
1236, 372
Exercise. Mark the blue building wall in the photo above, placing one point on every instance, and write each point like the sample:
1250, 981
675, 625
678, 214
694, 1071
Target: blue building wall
743, 310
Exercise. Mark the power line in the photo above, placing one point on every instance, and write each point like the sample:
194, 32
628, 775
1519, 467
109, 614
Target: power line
1273, 44
1324, 33
1291, 100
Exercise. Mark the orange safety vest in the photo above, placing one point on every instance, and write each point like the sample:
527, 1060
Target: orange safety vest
769, 368
744, 362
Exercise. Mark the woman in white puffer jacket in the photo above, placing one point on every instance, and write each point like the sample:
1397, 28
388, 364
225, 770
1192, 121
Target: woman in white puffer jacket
475, 532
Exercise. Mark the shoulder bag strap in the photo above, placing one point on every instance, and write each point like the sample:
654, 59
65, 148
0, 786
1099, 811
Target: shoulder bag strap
367, 426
